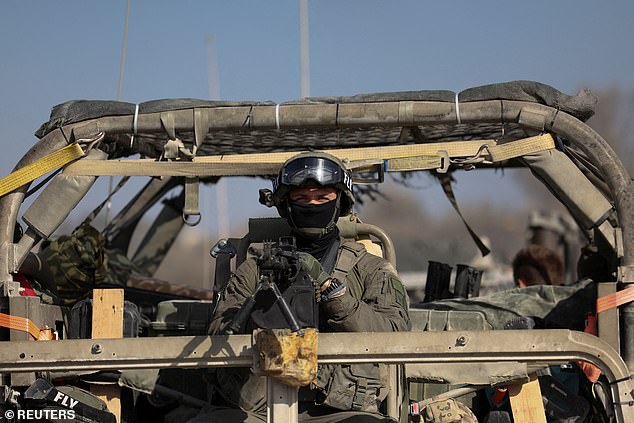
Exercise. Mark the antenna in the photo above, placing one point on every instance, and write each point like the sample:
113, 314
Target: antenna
119, 96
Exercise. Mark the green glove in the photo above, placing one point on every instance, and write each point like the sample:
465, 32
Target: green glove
311, 266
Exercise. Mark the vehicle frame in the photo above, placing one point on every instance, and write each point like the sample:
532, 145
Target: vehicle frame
253, 138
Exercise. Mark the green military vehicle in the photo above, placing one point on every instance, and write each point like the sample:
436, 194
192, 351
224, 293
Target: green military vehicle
490, 352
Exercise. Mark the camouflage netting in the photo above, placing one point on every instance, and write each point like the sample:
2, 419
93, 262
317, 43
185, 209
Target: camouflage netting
249, 139
79, 262
551, 306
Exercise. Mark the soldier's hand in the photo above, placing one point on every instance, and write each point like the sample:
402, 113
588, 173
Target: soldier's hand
312, 267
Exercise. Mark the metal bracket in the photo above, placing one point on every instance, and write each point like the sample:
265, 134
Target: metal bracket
223, 246
618, 241
612, 236
90, 142
625, 274
9, 258
10, 288
445, 161
469, 162
174, 149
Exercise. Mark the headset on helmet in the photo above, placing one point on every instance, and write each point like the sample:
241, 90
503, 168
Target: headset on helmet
321, 168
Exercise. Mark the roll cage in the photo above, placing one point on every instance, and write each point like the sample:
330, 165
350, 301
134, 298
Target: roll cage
183, 142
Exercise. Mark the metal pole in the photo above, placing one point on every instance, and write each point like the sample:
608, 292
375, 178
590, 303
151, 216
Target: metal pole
213, 70
123, 52
304, 57
222, 197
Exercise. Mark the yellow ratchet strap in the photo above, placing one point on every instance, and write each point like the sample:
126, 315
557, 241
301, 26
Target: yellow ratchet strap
397, 158
40, 167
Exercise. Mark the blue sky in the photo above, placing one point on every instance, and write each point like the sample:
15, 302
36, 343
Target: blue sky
51, 52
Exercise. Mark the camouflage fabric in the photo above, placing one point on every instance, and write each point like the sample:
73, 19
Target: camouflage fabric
448, 411
80, 261
551, 306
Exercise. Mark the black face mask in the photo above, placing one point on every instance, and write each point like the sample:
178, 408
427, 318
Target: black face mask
313, 215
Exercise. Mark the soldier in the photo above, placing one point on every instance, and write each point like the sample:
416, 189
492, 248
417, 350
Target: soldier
357, 292
537, 265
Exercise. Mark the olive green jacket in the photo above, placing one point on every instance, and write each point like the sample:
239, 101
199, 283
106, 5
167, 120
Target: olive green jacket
375, 301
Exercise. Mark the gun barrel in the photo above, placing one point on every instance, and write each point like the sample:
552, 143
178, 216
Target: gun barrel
286, 309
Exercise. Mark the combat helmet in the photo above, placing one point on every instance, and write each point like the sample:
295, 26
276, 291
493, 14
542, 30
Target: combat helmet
321, 168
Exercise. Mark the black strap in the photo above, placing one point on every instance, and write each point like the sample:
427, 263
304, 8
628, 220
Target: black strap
329, 259
97, 209
360, 394
349, 255
445, 182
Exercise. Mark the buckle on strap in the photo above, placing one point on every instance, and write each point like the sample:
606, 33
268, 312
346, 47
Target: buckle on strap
360, 394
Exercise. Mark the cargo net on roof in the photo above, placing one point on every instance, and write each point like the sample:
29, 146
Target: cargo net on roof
241, 139
266, 141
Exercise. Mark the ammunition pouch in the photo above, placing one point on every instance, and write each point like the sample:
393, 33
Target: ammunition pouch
352, 387
239, 388
448, 411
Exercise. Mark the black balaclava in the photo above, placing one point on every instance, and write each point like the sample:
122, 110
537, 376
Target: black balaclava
312, 215
302, 216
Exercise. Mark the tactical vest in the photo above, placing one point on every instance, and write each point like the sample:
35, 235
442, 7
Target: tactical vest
350, 254
299, 293
355, 387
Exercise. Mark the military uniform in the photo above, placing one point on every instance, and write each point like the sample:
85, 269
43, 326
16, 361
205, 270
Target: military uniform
375, 301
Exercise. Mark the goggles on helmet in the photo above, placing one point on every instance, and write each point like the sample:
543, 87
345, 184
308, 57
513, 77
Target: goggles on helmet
318, 169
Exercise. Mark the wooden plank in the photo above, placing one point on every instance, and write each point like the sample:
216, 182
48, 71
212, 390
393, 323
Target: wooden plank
107, 313
107, 322
526, 402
